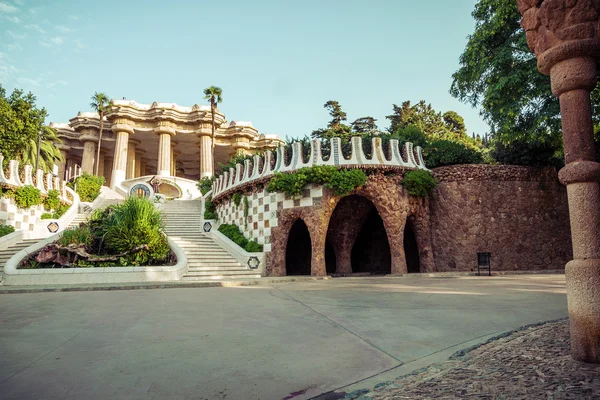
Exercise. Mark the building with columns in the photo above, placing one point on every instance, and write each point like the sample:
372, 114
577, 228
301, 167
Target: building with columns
162, 139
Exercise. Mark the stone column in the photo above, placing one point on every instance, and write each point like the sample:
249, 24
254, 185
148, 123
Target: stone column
122, 132
89, 154
131, 151
138, 164
564, 39
143, 165
101, 165
206, 156
174, 156
164, 153
107, 171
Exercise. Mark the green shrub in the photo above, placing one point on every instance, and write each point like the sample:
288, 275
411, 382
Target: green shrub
46, 216
28, 196
346, 180
210, 210
237, 198
528, 151
234, 233
446, 152
341, 181
419, 182
87, 186
205, 184
134, 223
52, 201
56, 214
6, 229
77, 235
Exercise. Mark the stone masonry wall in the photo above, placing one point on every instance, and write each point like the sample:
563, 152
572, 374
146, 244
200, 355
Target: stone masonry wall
519, 214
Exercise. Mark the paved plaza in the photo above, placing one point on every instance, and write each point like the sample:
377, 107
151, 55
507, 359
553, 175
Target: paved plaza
289, 340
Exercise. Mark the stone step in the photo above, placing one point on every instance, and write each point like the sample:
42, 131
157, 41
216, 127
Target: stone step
216, 269
193, 264
222, 273
230, 278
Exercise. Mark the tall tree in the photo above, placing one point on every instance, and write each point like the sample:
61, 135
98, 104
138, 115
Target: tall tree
499, 73
21, 121
214, 95
335, 127
454, 123
101, 104
365, 125
421, 115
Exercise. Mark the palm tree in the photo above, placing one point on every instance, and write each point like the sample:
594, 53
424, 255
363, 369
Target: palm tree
101, 104
214, 96
49, 154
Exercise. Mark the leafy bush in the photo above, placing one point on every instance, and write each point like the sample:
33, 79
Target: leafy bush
132, 224
237, 198
341, 181
52, 201
28, 196
419, 182
6, 229
205, 184
346, 180
246, 206
234, 233
87, 186
210, 210
446, 152
77, 235
56, 214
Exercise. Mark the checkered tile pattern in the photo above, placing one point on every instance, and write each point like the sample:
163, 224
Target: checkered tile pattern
10, 214
262, 212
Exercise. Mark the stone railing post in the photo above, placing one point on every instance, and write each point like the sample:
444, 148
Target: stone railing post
563, 35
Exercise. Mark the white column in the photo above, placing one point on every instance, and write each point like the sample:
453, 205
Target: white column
206, 157
164, 154
120, 156
89, 157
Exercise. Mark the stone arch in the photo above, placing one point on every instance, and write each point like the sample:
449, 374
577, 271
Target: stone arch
357, 237
298, 252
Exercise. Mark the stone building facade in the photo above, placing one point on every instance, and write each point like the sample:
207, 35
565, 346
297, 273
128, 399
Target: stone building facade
154, 139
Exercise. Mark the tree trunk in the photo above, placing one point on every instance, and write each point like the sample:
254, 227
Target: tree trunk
99, 142
212, 150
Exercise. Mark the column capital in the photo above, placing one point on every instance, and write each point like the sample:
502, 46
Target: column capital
165, 130
123, 128
88, 138
134, 142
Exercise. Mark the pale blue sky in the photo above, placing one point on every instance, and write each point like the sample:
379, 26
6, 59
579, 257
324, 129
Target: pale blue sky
277, 61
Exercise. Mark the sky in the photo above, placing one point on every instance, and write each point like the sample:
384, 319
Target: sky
277, 61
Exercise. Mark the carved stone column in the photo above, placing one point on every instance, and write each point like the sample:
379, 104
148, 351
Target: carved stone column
122, 132
563, 34
62, 165
174, 155
101, 165
131, 150
108, 164
206, 156
164, 132
89, 153
138, 164
143, 166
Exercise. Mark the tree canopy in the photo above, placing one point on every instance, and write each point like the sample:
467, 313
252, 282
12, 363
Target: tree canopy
20, 123
499, 73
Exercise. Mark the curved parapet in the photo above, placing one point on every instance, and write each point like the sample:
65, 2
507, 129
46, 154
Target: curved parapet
406, 157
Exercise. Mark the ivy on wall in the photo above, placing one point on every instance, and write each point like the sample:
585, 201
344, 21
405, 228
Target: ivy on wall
234, 233
341, 181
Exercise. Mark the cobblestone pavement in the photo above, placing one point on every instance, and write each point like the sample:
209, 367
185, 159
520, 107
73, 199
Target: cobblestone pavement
533, 363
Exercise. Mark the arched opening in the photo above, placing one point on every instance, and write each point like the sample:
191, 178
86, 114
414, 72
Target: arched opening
411, 249
356, 239
298, 253
371, 250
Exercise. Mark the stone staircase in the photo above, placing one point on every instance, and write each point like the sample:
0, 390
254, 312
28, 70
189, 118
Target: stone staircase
207, 260
8, 252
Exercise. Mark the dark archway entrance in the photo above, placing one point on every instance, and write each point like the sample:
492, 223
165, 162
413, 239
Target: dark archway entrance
411, 249
356, 239
298, 253
371, 250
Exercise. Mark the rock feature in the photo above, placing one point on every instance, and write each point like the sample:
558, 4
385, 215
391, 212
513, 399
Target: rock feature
565, 37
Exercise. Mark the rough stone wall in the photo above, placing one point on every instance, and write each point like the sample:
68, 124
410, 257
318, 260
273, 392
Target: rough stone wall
519, 214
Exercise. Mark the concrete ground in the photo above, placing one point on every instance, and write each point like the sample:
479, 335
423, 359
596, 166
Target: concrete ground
289, 340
